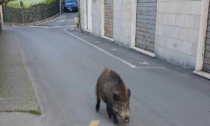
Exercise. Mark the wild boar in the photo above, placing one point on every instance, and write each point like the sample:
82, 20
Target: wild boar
111, 89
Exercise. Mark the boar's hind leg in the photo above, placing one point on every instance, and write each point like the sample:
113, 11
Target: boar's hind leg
98, 104
115, 119
109, 111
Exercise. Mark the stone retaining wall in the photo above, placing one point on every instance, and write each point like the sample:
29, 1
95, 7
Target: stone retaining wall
32, 14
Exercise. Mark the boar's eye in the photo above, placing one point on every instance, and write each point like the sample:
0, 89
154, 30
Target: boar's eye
129, 93
116, 97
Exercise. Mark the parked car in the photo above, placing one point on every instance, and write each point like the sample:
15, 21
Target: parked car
70, 5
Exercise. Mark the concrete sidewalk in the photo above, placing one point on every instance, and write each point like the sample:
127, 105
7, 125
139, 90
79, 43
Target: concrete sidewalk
16, 92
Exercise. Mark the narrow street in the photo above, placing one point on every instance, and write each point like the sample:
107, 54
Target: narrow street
64, 64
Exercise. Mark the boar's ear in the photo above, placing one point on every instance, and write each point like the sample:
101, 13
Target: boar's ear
129, 93
116, 97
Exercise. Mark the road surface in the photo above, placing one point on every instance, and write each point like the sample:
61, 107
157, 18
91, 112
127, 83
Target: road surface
64, 64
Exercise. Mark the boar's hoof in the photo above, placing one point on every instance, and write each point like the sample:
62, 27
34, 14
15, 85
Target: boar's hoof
116, 124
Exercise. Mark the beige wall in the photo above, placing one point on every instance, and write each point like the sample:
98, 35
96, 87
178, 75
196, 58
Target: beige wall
1, 14
1, 18
177, 31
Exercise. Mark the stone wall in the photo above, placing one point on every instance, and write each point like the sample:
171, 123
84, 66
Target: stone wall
32, 14
177, 31
146, 24
108, 18
122, 21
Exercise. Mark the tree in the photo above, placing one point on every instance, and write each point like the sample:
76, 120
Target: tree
3, 2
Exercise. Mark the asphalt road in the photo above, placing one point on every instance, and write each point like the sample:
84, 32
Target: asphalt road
64, 65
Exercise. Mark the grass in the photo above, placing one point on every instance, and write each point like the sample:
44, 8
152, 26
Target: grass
34, 112
27, 3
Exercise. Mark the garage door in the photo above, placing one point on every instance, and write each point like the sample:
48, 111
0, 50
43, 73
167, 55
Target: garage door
108, 18
145, 24
206, 65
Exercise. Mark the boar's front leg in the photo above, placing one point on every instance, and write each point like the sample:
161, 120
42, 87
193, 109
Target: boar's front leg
109, 111
115, 119
98, 104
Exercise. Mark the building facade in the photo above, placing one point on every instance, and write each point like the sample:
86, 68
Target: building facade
1, 19
176, 31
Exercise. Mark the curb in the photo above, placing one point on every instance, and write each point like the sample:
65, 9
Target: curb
33, 23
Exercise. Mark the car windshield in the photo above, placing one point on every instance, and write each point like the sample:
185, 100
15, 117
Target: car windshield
71, 1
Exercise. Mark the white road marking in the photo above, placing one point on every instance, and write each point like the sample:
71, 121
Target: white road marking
69, 26
145, 63
125, 62
52, 20
113, 49
150, 67
60, 21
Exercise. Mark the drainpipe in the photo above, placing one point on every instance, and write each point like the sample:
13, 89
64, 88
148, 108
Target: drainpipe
60, 5
3, 7
80, 19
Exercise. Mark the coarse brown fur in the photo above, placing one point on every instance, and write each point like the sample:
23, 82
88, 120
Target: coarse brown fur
111, 89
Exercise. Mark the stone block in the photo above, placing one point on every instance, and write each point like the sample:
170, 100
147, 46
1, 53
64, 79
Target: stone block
189, 21
195, 7
175, 32
177, 7
197, 22
193, 35
170, 43
178, 45
163, 41
168, 7
187, 47
172, 19
180, 20
186, 7
163, 19
161, 7
194, 49
184, 34
167, 31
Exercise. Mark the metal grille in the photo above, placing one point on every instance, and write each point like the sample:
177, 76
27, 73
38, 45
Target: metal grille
206, 65
145, 24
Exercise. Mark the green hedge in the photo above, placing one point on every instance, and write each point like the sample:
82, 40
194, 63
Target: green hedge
27, 3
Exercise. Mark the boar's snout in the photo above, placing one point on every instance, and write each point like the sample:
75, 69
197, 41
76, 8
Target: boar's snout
126, 120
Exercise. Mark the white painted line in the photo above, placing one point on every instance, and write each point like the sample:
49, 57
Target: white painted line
51, 20
69, 26
125, 62
60, 21
113, 49
150, 67
145, 63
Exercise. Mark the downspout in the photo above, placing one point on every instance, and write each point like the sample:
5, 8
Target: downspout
80, 19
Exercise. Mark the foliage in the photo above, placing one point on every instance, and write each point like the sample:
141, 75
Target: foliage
3, 2
27, 3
